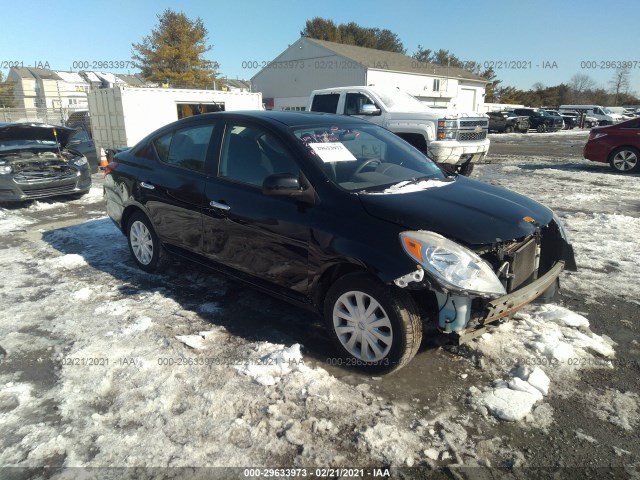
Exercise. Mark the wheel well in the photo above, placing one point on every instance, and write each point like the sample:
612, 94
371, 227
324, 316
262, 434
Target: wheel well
328, 278
126, 215
621, 147
414, 139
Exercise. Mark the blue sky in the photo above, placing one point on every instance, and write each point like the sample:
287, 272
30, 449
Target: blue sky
560, 35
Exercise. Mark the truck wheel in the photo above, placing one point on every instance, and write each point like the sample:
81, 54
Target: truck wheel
541, 128
144, 244
524, 130
373, 326
465, 169
625, 160
508, 129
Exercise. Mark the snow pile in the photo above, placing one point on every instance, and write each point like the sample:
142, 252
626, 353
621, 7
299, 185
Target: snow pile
38, 206
546, 336
269, 369
10, 222
515, 400
68, 262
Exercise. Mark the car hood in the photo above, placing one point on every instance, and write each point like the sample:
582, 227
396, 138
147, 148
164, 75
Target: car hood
36, 131
469, 211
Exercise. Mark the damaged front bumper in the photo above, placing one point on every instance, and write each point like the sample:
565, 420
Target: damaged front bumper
512, 302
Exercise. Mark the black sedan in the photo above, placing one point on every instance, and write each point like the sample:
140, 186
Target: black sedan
340, 216
35, 163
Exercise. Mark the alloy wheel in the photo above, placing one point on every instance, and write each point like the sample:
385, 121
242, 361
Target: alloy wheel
624, 160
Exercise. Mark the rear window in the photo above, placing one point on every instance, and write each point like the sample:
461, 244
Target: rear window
325, 103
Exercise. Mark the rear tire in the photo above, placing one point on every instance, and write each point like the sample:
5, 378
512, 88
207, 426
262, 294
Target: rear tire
625, 160
144, 244
373, 326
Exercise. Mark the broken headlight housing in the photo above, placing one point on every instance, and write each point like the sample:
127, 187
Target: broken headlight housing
80, 161
453, 266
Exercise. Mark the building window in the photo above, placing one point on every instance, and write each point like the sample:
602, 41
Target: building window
436, 84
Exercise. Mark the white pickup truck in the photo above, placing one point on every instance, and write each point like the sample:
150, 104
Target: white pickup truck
450, 139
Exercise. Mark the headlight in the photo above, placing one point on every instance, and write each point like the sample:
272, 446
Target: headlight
5, 169
80, 161
452, 265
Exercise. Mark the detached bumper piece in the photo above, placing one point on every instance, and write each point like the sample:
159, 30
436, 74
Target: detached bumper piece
507, 304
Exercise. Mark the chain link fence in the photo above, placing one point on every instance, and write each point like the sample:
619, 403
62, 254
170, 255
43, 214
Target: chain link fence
54, 116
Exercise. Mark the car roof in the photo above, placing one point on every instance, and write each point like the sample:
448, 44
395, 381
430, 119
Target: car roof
289, 119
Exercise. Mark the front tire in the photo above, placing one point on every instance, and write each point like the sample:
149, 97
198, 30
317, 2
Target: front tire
542, 128
508, 129
144, 244
373, 326
625, 160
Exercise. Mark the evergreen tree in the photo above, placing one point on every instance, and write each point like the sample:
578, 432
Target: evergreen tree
174, 53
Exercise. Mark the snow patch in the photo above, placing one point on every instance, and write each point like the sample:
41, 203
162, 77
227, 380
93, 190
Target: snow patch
270, 369
69, 261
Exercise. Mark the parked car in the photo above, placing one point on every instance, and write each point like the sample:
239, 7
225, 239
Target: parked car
618, 145
36, 163
341, 216
571, 120
540, 120
81, 142
507, 122
82, 139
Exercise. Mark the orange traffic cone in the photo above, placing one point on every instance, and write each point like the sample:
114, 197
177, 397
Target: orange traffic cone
103, 159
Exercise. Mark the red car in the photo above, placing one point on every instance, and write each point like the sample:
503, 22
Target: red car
618, 145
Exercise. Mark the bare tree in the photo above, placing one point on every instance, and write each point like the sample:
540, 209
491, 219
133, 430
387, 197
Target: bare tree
580, 82
620, 83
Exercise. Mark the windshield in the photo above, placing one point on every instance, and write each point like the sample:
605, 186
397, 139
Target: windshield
398, 101
363, 157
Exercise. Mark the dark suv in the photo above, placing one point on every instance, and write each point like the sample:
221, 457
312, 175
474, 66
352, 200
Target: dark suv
540, 120
340, 216
507, 122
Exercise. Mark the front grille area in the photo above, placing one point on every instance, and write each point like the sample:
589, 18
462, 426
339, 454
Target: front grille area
30, 177
523, 264
49, 192
514, 262
471, 136
474, 123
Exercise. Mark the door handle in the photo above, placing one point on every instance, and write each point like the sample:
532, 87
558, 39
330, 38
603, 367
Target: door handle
220, 205
147, 185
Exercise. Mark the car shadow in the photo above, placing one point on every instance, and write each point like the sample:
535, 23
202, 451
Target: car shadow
242, 310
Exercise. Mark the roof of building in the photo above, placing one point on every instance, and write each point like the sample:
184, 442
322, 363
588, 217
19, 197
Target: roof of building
241, 84
44, 73
383, 60
21, 72
132, 80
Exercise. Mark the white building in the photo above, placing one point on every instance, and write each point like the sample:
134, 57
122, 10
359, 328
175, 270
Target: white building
42, 88
311, 64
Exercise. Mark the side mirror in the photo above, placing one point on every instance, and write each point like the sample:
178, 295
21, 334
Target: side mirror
281, 184
369, 109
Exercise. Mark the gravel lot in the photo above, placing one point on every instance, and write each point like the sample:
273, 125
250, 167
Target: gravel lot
102, 365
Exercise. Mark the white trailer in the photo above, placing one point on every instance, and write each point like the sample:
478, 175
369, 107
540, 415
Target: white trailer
122, 116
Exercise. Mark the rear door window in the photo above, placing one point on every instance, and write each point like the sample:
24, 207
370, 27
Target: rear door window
186, 147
